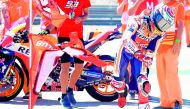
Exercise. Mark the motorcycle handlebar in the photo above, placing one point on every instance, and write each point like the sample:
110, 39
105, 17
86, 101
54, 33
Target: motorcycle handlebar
115, 35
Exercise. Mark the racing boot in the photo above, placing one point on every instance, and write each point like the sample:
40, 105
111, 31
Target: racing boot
122, 98
144, 90
122, 91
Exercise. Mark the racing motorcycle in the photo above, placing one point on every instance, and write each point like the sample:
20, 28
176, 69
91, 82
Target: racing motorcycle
14, 68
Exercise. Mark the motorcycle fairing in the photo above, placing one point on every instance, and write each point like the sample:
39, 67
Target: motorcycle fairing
19, 48
39, 47
47, 65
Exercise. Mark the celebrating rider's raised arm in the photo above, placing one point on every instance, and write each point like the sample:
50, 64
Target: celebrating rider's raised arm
5, 16
133, 6
137, 6
123, 6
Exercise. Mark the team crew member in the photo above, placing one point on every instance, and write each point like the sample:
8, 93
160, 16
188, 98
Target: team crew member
137, 6
14, 11
41, 7
78, 12
187, 20
122, 10
1, 19
167, 59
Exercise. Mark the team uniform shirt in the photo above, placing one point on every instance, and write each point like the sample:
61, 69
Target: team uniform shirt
187, 7
2, 5
69, 25
44, 10
16, 9
125, 7
186, 4
41, 7
124, 16
51, 15
146, 4
19, 9
171, 33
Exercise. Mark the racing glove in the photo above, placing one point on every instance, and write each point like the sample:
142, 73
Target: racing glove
142, 57
44, 32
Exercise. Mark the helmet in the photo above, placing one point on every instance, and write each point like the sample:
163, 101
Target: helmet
163, 17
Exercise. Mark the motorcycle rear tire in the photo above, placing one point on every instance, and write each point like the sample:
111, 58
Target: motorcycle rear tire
99, 95
13, 92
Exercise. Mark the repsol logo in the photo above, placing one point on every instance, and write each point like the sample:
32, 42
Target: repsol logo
144, 37
44, 44
24, 50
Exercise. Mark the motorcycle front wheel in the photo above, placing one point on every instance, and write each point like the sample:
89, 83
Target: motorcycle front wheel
103, 91
16, 85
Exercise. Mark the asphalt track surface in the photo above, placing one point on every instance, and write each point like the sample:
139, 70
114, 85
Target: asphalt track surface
85, 101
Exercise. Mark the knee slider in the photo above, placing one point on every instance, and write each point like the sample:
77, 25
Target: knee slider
144, 85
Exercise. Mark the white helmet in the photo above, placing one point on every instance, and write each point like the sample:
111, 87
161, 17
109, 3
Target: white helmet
163, 17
